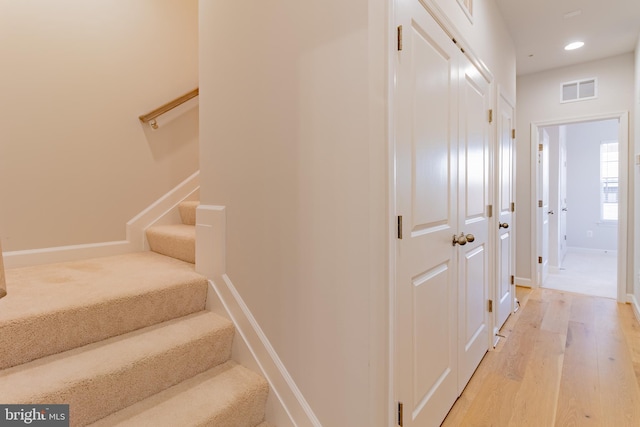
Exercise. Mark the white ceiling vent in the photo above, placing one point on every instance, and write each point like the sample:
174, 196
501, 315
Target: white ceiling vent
579, 90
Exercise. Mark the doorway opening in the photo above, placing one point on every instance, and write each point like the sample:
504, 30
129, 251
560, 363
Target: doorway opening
580, 187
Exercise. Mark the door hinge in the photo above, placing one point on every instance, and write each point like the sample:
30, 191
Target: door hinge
513, 206
540, 147
490, 306
513, 280
400, 414
513, 134
489, 211
400, 227
490, 116
399, 37
539, 203
539, 260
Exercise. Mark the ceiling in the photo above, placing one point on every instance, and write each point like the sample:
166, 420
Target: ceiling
541, 28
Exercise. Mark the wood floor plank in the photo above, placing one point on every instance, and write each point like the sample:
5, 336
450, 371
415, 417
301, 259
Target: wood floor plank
631, 330
619, 391
537, 398
556, 318
567, 360
579, 396
493, 405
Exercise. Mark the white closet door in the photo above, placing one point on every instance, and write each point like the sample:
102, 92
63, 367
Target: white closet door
473, 220
426, 191
505, 195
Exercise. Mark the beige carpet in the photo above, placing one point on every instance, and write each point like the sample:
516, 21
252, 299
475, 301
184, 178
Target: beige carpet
126, 341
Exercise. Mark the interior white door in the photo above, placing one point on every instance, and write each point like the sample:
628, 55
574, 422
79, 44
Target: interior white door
563, 202
473, 199
425, 369
543, 207
505, 292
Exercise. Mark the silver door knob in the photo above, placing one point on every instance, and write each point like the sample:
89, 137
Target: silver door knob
462, 239
503, 225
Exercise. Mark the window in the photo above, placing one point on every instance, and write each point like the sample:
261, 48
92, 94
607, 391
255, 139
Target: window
609, 180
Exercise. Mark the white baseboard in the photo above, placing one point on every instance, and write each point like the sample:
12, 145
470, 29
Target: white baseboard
631, 299
163, 211
286, 406
16, 259
526, 283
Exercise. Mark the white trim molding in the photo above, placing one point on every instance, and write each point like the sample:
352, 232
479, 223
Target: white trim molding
26, 258
162, 211
521, 281
623, 140
631, 299
286, 405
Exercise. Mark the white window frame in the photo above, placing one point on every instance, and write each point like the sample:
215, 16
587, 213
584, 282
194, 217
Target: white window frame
602, 193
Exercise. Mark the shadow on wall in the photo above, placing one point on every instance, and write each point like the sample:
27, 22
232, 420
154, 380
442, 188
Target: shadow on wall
173, 134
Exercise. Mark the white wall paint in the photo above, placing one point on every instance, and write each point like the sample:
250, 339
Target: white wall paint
75, 163
635, 273
583, 186
294, 145
538, 101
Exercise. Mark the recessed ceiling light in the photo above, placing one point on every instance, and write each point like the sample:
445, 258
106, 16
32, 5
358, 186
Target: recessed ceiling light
574, 45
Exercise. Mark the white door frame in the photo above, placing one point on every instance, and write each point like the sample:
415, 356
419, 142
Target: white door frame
623, 217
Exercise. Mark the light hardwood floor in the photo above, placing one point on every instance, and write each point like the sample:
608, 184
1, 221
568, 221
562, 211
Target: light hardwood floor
566, 360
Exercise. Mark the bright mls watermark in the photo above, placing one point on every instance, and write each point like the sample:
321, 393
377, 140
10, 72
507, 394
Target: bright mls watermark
34, 415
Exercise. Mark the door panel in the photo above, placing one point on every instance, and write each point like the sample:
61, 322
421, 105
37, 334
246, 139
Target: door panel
505, 290
473, 190
426, 197
543, 211
563, 201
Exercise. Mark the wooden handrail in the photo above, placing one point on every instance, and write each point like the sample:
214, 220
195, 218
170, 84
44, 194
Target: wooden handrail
149, 117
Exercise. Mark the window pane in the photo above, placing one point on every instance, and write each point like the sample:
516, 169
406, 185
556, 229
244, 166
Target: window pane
610, 211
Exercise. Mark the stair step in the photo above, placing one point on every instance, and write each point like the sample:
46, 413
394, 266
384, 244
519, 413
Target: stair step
265, 424
175, 240
101, 378
57, 307
225, 396
188, 211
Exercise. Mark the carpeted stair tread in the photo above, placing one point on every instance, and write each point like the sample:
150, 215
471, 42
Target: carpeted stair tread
57, 307
101, 378
225, 396
265, 424
188, 211
174, 240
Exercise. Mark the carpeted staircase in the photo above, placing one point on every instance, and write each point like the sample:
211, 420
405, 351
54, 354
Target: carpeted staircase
126, 340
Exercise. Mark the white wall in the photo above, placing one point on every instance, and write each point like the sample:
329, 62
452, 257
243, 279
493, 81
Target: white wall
583, 186
294, 145
635, 173
538, 101
75, 163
